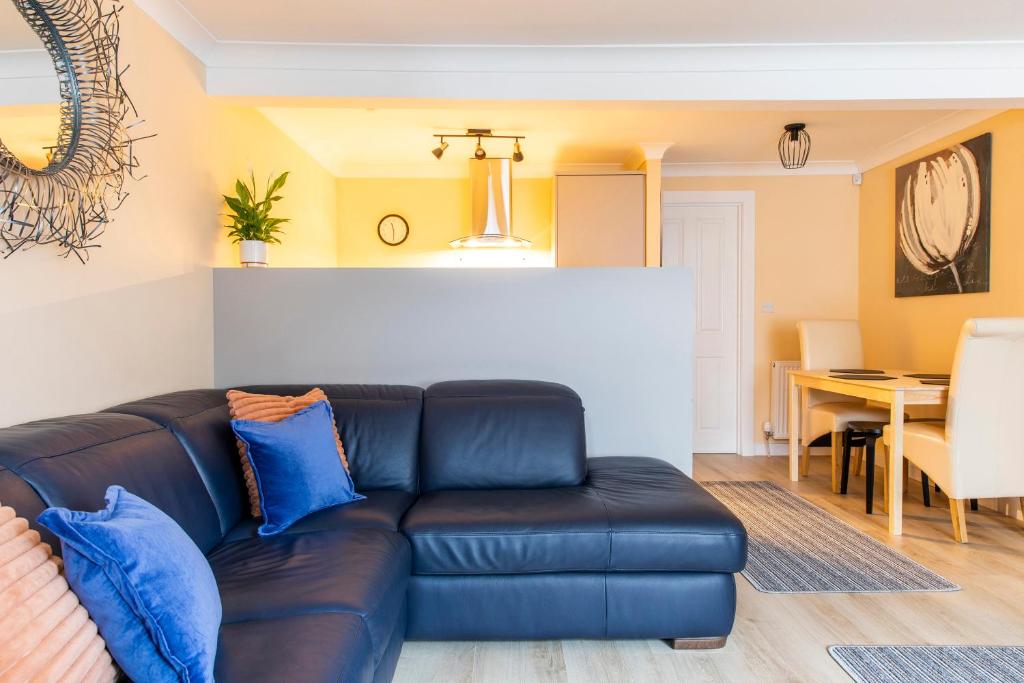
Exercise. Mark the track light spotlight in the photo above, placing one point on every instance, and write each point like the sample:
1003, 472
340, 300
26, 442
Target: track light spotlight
479, 133
439, 150
517, 152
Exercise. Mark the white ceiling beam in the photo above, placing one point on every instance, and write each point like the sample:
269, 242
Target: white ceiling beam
726, 73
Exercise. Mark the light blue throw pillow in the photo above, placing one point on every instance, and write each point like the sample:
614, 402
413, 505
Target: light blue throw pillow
296, 466
147, 586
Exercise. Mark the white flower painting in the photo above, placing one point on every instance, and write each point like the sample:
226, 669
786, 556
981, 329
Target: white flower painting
942, 221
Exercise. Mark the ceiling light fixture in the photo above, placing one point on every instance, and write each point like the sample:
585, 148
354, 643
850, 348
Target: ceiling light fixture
439, 150
794, 146
480, 134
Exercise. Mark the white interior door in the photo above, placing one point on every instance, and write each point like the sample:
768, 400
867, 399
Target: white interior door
705, 237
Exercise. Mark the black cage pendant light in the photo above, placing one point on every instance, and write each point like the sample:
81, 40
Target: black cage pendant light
794, 146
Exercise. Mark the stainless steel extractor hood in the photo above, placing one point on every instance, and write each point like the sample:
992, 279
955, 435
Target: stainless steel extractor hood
490, 182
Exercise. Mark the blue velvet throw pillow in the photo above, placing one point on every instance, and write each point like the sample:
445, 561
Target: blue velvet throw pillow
296, 465
147, 586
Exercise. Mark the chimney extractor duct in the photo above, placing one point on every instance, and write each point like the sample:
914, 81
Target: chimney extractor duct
490, 182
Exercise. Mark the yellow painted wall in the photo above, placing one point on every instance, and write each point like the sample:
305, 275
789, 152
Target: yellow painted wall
247, 140
438, 212
805, 261
921, 332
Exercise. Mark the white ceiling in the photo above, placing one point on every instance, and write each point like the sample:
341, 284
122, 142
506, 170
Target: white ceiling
609, 22
396, 141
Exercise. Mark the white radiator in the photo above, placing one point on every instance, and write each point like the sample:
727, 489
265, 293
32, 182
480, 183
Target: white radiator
780, 397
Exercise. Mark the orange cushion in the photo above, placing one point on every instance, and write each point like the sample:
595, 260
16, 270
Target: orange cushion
45, 633
271, 408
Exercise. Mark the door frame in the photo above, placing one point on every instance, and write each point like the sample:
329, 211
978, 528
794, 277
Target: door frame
744, 201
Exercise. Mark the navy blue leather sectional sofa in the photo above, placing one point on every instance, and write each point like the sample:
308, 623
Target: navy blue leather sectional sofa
484, 519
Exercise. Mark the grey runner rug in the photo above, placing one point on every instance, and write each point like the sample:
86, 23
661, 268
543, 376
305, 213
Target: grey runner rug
796, 547
935, 664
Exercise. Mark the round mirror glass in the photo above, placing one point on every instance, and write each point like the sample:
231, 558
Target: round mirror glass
30, 114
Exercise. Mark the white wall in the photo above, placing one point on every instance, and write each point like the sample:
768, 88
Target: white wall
135, 320
90, 352
622, 338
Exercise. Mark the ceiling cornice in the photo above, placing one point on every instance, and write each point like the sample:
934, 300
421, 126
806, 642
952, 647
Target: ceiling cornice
925, 135
183, 26
756, 168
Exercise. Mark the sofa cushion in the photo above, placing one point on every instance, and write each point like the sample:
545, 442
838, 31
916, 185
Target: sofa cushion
273, 408
45, 632
16, 493
316, 648
379, 425
632, 514
508, 531
359, 571
200, 421
380, 510
502, 434
70, 462
295, 466
130, 565
661, 520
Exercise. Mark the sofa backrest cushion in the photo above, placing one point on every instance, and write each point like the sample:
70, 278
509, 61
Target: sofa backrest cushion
200, 421
379, 427
502, 434
70, 462
16, 493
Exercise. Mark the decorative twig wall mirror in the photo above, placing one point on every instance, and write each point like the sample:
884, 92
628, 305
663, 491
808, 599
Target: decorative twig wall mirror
68, 200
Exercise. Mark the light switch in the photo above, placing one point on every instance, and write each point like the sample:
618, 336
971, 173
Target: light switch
768, 307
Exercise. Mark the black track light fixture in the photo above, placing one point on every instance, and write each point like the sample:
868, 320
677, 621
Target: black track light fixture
439, 150
517, 152
479, 134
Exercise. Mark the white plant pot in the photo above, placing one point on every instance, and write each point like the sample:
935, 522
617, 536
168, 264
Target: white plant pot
253, 253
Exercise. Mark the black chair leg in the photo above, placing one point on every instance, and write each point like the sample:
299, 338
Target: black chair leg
869, 474
974, 504
926, 492
846, 462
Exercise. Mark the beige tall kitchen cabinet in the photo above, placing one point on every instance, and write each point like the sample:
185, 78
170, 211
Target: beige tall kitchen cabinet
599, 220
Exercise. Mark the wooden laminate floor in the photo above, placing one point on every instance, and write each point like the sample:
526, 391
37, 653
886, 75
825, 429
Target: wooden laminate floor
784, 637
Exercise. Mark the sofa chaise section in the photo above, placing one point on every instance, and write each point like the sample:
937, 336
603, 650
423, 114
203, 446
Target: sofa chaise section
514, 538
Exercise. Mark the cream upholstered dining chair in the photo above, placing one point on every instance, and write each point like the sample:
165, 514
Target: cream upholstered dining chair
978, 452
831, 345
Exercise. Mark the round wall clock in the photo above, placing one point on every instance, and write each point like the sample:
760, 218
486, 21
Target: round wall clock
393, 229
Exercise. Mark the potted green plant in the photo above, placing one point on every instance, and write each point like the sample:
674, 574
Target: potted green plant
252, 227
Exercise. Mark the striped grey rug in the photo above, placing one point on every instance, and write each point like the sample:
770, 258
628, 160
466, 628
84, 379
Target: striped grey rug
933, 663
796, 547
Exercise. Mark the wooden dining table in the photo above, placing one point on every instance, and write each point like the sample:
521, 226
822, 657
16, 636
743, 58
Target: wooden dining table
897, 393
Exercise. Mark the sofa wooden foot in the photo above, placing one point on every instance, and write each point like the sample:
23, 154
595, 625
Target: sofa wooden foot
697, 643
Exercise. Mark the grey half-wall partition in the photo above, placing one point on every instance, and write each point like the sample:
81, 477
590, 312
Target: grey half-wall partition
621, 337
